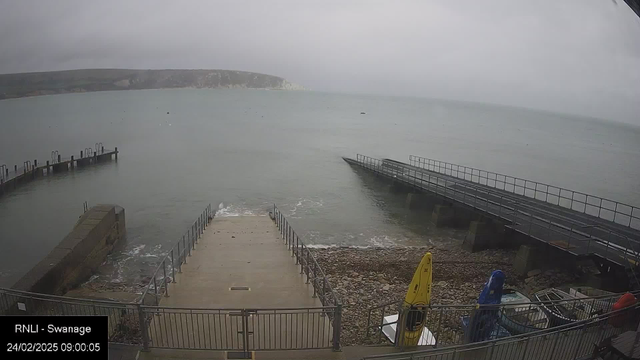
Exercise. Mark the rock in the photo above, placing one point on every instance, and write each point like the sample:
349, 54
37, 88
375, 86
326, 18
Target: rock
386, 287
534, 272
233, 237
529, 280
441, 283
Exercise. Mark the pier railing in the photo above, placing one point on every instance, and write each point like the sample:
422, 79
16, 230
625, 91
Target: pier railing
572, 341
123, 319
606, 209
242, 330
314, 274
570, 236
165, 272
454, 324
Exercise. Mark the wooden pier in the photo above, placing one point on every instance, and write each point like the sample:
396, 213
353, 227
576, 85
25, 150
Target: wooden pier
11, 178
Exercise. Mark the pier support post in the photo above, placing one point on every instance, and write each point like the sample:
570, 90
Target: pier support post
72, 162
479, 236
525, 260
116, 153
397, 187
442, 215
417, 201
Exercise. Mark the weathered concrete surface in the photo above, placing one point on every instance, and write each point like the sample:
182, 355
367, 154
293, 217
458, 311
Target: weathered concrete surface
442, 215
526, 260
240, 252
79, 254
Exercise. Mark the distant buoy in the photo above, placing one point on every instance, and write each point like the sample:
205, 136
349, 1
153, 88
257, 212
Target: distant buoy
362, 113
167, 113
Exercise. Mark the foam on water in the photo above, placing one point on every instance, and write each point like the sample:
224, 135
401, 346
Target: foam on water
305, 204
234, 210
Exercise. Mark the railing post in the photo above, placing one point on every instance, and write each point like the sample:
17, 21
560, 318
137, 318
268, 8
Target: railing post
164, 279
143, 328
155, 289
180, 256
307, 265
314, 278
173, 267
337, 324
324, 291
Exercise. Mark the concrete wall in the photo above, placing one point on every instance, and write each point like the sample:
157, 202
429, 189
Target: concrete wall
79, 254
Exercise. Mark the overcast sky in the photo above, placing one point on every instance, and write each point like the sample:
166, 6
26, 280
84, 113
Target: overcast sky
574, 56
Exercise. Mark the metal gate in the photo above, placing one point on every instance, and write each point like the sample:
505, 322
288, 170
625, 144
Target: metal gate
242, 330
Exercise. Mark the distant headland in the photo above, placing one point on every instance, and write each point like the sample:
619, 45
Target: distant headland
86, 80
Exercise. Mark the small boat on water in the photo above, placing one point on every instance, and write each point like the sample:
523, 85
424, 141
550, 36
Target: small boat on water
564, 308
519, 316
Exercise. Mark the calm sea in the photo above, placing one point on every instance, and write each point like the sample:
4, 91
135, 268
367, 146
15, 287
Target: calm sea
243, 150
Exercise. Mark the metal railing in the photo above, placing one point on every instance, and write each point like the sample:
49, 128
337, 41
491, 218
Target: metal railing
606, 209
567, 342
568, 236
7, 173
314, 274
165, 272
123, 319
459, 324
240, 329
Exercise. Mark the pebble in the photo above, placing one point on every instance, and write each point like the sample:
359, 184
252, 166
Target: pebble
365, 278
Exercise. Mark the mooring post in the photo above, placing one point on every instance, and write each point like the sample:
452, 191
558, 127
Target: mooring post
15, 168
81, 154
48, 171
116, 153
35, 163
59, 157
102, 150
72, 165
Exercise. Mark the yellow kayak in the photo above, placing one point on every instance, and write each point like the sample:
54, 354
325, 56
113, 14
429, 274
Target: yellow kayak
416, 302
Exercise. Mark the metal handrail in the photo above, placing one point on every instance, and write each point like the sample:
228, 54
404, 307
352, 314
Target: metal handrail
583, 325
518, 183
525, 204
177, 256
298, 248
308, 265
442, 313
443, 187
610, 233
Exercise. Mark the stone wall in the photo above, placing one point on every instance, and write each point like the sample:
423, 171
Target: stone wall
79, 254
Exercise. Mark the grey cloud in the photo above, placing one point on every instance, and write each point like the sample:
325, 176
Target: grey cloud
576, 56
